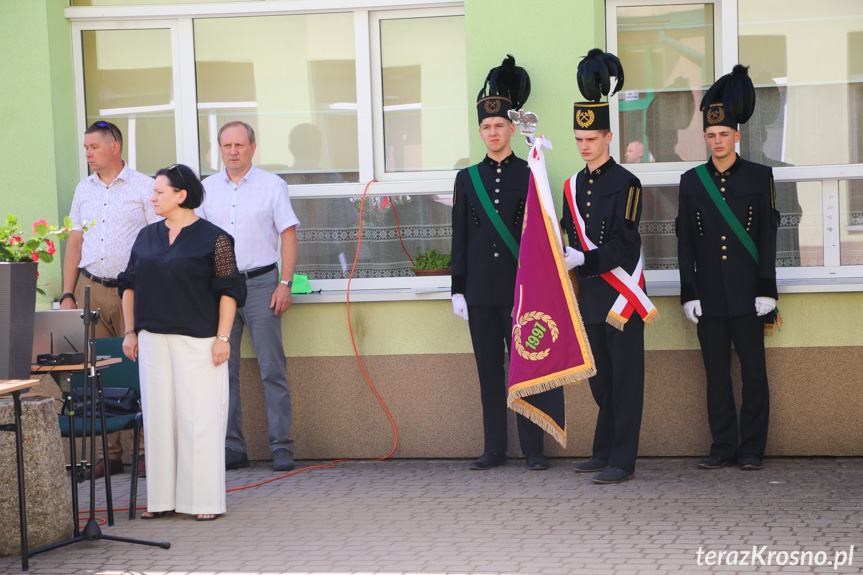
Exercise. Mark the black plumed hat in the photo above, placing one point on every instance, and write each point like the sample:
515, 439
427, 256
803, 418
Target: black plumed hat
730, 100
594, 81
594, 75
506, 87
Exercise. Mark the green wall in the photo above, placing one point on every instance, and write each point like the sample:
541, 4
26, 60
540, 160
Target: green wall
37, 119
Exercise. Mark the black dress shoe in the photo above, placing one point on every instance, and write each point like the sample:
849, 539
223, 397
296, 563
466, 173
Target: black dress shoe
750, 463
235, 459
592, 466
536, 462
488, 460
613, 475
714, 462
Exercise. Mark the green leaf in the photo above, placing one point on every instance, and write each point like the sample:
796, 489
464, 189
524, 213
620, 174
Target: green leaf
11, 220
33, 244
41, 229
45, 257
68, 223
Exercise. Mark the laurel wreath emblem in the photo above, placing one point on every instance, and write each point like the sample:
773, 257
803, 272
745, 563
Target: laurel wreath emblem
492, 106
584, 118
516, 336
715, 115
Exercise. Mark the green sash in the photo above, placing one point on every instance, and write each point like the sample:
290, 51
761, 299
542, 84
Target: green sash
492, 214
772, 318
726, 212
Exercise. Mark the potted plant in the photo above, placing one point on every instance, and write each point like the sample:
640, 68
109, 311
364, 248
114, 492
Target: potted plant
19, 260
432, 263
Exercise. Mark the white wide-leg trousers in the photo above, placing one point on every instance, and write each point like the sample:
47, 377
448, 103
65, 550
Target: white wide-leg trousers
185, 402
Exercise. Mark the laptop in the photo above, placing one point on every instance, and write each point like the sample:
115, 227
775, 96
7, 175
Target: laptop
60, 329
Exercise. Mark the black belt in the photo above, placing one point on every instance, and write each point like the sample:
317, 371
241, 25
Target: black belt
105, 282
258, 271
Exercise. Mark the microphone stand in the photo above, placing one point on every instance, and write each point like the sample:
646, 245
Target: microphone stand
93, 377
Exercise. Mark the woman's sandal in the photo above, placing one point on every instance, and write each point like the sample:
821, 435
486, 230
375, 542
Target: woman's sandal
203, 517
156, 514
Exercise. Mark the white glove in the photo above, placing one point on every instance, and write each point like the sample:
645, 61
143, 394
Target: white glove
574, 258
692, 309
459, 306
764, 305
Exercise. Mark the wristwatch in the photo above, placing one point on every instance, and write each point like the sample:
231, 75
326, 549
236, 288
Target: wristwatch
288, 283
224, 338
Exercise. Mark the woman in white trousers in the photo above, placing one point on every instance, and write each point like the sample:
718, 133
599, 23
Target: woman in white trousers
180, 291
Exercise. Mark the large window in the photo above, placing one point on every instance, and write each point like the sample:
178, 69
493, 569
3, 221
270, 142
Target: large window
129, 81
667, 53
338, 97
806, 62
293, 79
425, 118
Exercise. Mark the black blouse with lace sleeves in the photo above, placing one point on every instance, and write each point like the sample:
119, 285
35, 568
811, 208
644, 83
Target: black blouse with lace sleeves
178, 286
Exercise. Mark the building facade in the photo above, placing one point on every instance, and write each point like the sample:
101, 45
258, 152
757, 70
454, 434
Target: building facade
343, 92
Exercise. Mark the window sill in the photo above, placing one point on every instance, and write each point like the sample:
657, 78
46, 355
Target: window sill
367, 295
801, 285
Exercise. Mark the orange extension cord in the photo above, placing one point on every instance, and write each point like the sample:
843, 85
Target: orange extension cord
332, 463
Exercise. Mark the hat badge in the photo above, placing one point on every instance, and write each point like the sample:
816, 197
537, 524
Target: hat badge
492, 105
585, 118
715, 114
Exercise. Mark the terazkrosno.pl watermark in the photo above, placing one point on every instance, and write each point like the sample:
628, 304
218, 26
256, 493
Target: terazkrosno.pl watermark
763, 555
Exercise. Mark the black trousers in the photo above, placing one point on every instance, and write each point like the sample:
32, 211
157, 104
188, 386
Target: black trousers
491, 334
618, 389
716, 335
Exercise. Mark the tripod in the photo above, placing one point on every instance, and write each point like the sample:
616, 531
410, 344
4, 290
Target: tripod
93, 379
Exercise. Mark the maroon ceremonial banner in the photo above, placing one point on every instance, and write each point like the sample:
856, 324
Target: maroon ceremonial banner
549, 345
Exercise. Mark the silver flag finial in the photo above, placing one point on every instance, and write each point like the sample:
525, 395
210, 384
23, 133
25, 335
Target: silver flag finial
526, 122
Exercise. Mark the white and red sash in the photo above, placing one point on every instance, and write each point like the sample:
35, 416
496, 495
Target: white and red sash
632, 296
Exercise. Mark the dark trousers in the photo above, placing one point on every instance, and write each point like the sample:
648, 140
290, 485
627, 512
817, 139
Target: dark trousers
716, 335
618, 389
491, 334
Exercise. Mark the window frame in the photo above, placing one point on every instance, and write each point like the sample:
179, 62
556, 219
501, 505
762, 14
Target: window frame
827, 278
179, 18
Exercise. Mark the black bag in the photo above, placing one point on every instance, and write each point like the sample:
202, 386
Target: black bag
118, 401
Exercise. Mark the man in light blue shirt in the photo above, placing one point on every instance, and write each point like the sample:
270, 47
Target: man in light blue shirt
254, 207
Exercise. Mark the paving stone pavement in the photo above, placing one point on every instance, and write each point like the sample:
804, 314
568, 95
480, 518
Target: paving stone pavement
435, 517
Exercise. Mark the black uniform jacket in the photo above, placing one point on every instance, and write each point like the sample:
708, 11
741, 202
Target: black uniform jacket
483, 267
714, 266
609, 200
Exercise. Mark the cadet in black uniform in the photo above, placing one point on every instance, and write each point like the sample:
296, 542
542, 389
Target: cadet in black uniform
486, 231
727, 255
608, 199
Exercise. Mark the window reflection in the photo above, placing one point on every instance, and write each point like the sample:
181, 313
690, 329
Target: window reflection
129, 81
667, 53
808, 70
293, 79
425, 117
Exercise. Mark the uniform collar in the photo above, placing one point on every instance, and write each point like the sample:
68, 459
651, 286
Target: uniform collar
506, 161
727, 173
600, 170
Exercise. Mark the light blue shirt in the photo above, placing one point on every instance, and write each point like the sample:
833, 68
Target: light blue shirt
255, 212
